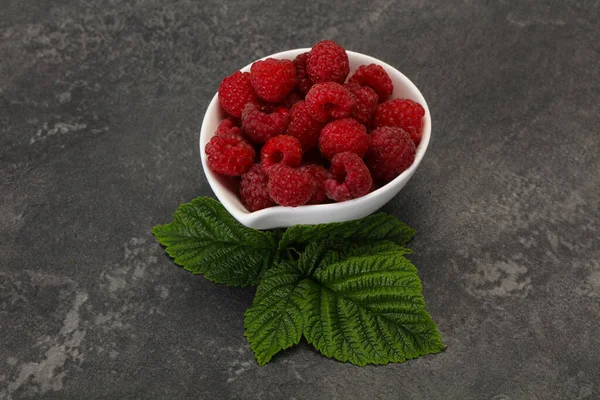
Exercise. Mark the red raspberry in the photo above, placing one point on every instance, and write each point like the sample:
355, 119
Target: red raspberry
319, 174
327, 61
273, 79
329, 100
293, 98
375, 77
304, 127
253, 189
304, 83
391, 151
267, 108
343, 135
229, 154
402, 113
290, 187
260, 125
366, 100
229, 126
348, 178
235, 92
282, 149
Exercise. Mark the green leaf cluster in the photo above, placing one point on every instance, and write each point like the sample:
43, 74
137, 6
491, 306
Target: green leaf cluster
346, 287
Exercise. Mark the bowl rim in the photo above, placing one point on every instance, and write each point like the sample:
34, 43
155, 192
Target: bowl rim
248, 218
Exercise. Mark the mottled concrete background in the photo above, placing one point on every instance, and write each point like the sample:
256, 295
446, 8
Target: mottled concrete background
100, 110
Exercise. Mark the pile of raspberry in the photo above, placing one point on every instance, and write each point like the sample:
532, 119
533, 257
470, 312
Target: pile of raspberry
298, 132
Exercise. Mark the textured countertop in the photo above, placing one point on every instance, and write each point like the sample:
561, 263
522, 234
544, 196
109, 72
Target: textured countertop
100, 109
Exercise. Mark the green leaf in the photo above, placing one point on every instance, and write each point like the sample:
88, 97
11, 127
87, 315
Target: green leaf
326, 252
275, 321
205, 239
310, 259
378, 227
383, 248
369, 310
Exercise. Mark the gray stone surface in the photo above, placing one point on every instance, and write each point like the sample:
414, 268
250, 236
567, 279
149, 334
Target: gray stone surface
100, 108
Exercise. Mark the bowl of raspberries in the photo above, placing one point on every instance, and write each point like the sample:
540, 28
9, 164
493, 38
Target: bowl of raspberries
312, 136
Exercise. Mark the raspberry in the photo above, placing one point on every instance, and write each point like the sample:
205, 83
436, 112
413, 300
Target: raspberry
229, 154
282, 149
290, 187
253, 189
304, 127
319, 174
229, 126
348, 177
273, 79
343, 135
267, 108
402, 113
375, 77
235, 91
366, 100
329, 100
391, 151
304, 83
293, 98
327, 61
260, 125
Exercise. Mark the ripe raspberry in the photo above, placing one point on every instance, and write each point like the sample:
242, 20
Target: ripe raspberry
235, 91
348, 177
375, 77
343, 135
319, 174
366, 100
282, 149
273, 79
304, 127
304, 83
391, 151
229, 154
253, 189
267, 108
292, 99
327, 61
229, 126
402, 113
260, 125
290, 187
329, 100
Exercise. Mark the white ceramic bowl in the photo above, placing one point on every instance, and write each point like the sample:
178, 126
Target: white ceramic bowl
279, 217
